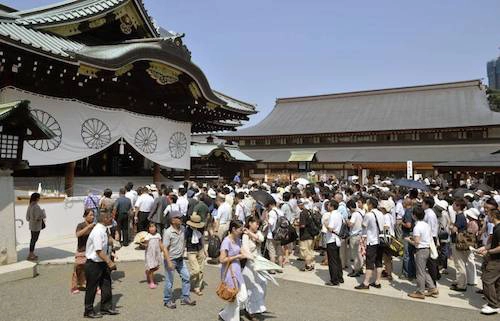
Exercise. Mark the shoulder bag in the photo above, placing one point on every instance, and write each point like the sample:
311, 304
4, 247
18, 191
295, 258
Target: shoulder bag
224, 291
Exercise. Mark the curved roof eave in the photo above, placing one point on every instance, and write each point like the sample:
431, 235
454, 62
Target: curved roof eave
144, 51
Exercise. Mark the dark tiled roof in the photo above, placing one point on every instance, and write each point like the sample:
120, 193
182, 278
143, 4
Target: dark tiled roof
450, 105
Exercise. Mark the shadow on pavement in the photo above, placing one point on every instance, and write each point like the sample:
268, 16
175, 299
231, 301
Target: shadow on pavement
46, 253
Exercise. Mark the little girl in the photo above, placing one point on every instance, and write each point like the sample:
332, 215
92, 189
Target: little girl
153, 254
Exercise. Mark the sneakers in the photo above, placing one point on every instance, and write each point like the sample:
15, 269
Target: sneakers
188, 301
417, 295
170, 305
489, 310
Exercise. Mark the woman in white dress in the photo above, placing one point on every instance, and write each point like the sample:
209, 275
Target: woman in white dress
255, 281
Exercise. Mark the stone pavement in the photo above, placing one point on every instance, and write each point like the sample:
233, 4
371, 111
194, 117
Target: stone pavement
47, 298
61, 252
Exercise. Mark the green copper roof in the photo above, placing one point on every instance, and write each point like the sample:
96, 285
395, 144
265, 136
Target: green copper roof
42, 41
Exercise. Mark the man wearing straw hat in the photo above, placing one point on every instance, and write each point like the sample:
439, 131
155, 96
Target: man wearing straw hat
195, 252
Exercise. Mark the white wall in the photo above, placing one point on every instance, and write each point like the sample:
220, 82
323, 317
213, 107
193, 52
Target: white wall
62, 218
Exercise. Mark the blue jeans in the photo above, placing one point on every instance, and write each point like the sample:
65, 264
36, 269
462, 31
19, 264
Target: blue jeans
409, 269
182, 269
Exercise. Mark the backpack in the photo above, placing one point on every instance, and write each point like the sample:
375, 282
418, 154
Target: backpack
344, 232
314, 226
281, 230
213, 246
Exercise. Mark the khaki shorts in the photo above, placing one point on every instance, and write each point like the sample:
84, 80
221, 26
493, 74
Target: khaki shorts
306, 249
274, 248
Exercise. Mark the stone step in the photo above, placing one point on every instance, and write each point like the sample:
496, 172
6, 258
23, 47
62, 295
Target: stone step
17, 271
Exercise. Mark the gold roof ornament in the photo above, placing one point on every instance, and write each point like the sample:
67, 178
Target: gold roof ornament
195, 91
123, 70
163, 74
88, 71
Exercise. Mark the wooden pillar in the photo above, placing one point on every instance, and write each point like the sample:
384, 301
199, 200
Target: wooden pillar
156, 174
69, 178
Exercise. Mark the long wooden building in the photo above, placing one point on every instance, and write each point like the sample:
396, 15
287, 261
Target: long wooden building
373, 132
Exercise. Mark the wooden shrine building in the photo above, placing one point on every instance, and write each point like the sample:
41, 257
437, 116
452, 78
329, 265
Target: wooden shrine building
122, 95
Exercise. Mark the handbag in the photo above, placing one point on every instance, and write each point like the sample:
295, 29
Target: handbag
465, 240
224, 291
43, 225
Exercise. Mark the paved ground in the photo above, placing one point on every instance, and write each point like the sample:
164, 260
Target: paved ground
47, 297
61, 252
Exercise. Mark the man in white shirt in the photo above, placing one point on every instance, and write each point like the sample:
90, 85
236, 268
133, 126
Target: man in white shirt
421, 239
240, 209
431, 219
132, 196
98, 269
224, 214
143, 207
172, 207
356, 226
274, 247
333, 245
373, 222
182, 201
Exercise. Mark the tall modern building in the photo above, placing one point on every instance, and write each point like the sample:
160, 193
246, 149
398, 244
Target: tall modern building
493, 69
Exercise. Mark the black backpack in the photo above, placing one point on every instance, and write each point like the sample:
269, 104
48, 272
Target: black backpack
344, 231
282, 228
213, 246
314, 226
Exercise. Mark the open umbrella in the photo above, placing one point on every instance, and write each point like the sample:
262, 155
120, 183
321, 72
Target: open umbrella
483, 187
262, 197
410, 184
460, 192
302, 181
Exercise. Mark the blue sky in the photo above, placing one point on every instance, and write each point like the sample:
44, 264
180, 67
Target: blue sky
263, 49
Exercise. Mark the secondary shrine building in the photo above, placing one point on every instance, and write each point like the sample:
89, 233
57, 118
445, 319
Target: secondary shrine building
122, 95
374, 132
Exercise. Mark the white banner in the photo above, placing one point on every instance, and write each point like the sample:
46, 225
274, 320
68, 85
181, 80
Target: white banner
83, 130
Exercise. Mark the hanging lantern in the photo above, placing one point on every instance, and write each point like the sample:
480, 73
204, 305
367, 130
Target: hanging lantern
121, 150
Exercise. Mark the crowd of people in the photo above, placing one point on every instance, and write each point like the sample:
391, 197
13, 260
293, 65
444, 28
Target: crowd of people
255, 229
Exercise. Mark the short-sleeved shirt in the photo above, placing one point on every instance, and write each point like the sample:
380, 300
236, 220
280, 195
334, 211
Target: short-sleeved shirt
97, 241
202, 210
145, 202
272, 220
82, 240
224, 213
334, 223
174, 241
357, 223
123, 205
423, 230
408, 218
370, 222
431, 219
461, 224
232, 249
240, 212
305, 223
495, 241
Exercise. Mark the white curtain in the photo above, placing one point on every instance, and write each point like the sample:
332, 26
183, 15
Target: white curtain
83, 130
